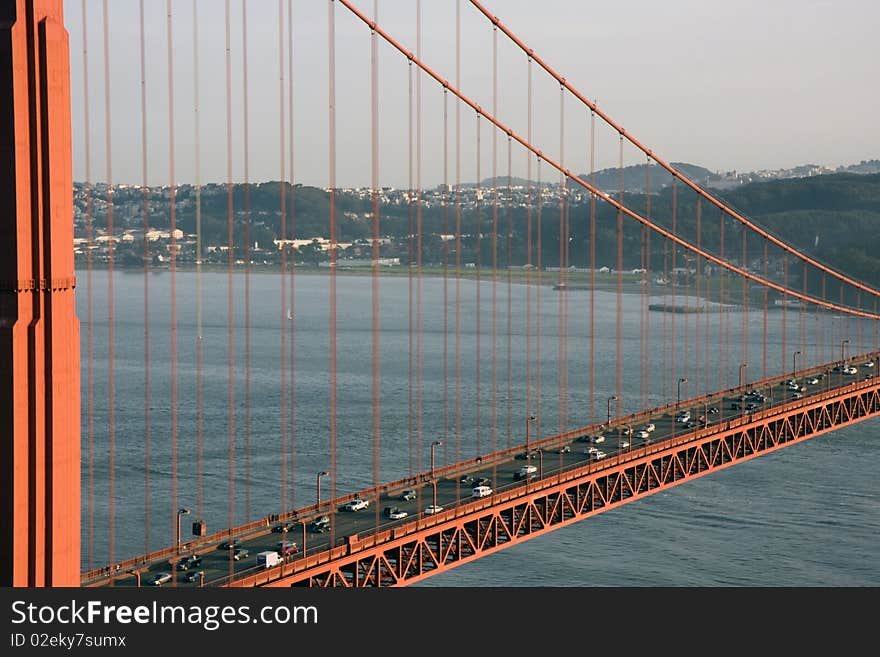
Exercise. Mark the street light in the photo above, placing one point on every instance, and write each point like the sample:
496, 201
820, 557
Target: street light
529, 420
842, 359
678, 395
436, 443
742, 389
137, 574
794, 364
322, 473
180, 512
610, 399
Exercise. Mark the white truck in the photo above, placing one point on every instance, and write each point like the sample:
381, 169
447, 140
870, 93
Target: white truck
268, 559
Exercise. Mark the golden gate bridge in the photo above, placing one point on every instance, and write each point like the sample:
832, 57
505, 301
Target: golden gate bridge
759, 344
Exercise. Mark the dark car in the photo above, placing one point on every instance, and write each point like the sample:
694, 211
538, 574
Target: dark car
192, 561
194, 576
320, 525
229, 545
483, 481
532, 453
240, 553
466, 480
285, 526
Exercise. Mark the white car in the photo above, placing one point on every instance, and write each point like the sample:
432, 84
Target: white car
597, 439
812, 380
870, 363
397, 514
356, 505
624, 444
432, 509
481, 491
649, 427
159, 579
598, 454
643, 434
850, 370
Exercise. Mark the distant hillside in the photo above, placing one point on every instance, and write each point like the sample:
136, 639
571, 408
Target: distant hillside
635, 178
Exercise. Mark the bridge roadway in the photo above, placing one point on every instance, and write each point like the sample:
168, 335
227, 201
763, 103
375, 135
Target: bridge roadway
555, 454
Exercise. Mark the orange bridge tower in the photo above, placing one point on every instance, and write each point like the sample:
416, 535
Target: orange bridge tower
39, 330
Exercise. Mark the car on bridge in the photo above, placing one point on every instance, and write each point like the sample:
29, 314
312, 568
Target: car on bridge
194, 576
192, 561
524, 472
159, 579
286, 548
850, 370
229, 545
320, 524
284, 527
240, 553
408, 495
481, 491
643, 434
394, 513
356, 504
564, 449
684, 417
431, 509
531, 454
649, 427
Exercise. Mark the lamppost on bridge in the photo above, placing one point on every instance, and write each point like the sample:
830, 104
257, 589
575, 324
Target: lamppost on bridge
678, 394
180, 512
436, 443
742, 387
529, 420
322, 473
794, 365
610, 399
137, 575
843, 343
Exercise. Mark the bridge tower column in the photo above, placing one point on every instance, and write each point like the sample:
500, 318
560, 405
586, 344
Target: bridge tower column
39, 330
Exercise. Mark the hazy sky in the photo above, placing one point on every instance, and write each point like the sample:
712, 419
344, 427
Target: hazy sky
742, 85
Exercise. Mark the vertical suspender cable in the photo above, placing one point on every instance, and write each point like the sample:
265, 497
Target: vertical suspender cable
508, 248
457, 238
698, 299
646, 294
745, 298
409, 269
229, 287
333, 247
673, 282
494, 243
200, 411
247, 248
172, 268
592, 319
146, 224
539, 311
723, 362
764, 359
528, 410
282, 313
563, 265
445, 250
111, 328
374, 175
291, 272
619, 281
784, 350
478, 230
90, 343
419, 238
